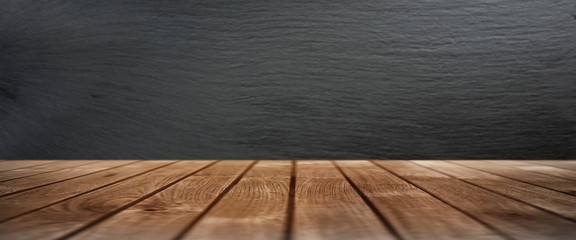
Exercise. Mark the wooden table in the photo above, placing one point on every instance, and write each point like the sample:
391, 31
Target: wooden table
287, 200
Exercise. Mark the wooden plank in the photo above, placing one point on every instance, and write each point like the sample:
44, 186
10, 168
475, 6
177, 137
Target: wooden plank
414, 213
532, 167
22, 184
31, 200
17, 164
509, 217
550, 182
564, 164
256, 208
558, 203
328, 207
41, 169
166, 214
65, 217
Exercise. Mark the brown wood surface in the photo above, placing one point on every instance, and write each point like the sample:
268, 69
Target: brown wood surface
328, 207
287, 200
11, 187
507, 216
547, 181
11, 165
564, 164
262, 216
65, 217
537, 168
24, 202
41, 169
402, 204
556, 202
167, 214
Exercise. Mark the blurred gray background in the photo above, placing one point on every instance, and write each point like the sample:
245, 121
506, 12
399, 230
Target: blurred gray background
388, 79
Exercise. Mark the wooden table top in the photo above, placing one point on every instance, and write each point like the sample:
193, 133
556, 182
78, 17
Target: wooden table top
287, 199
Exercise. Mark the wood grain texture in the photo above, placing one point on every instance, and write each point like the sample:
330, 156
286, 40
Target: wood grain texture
510, 217
63, 218
414, 213
22, 184
256, 208
177, 200
532, 167
328, 207
24, 202
40, 169
166, 214
564, 164
13, 164
537, 179
559, 203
